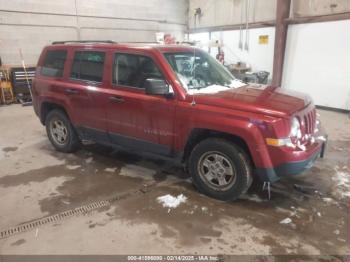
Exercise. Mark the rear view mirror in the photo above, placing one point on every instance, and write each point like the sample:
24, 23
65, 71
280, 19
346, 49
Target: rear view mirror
156, 87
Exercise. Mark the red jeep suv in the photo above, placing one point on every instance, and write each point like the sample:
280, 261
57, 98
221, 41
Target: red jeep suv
179, 103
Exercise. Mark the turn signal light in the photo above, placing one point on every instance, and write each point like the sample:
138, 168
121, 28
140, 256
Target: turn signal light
279, 142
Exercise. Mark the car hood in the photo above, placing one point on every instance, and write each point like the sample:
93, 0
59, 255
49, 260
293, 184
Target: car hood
268, 100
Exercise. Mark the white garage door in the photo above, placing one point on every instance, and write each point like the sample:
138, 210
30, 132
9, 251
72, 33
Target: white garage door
318, 62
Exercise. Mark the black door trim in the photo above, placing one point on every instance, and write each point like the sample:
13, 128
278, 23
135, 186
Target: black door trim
129, 143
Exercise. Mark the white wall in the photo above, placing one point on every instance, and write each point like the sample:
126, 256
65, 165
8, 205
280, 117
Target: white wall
259, 56
32, 24
228, 12
302, 8
201, 39
318, 62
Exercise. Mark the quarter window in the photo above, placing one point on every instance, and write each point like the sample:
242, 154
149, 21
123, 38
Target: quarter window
88, 65
133, 70
54, 63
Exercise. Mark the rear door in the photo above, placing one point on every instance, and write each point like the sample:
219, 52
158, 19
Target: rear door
84, 90
135, 119
49, 77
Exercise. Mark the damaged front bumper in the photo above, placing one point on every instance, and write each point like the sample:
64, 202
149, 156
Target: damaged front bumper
290, 168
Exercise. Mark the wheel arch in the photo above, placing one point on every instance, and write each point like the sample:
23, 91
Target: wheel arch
47, 107
199, 134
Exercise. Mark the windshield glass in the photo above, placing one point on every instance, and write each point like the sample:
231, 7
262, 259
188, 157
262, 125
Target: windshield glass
198, 70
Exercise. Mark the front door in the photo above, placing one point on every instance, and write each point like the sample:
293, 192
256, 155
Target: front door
137, 120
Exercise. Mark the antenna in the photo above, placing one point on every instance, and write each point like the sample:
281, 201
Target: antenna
194, 62
194, 73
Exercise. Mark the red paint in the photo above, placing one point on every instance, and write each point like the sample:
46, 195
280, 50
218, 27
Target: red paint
250, 112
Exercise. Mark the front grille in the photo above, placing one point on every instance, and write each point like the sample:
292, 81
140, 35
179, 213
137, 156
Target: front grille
310, 122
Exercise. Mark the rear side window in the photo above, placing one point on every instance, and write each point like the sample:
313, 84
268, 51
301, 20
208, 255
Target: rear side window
88, 65
54, 63
133, 70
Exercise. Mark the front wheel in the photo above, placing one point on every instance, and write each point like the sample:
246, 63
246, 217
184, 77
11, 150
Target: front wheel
61, 132
220, 169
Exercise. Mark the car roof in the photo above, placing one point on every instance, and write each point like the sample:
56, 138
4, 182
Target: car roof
132, 46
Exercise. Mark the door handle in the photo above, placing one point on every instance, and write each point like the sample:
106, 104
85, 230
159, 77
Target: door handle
70, 91
116, 99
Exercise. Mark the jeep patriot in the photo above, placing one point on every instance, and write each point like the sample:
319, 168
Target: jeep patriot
175, 102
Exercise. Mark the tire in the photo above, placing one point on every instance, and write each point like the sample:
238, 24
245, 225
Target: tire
210, 163
61, 132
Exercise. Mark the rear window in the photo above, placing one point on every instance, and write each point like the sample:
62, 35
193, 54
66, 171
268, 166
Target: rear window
88, 65
54, 63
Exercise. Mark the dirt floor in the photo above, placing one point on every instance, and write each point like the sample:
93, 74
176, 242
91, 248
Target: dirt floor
36, 182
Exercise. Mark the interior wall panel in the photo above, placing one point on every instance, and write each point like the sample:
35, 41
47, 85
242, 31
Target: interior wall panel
259, 56
32, 24
317, 62
228, 12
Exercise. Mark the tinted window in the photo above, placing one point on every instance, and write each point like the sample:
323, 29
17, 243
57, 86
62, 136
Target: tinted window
88, 65
133, 70
54, 63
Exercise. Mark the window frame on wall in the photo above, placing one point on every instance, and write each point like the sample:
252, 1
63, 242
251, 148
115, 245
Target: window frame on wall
113, 73
74, 60
43, 67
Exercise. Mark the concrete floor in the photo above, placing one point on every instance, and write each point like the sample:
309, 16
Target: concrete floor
36, 181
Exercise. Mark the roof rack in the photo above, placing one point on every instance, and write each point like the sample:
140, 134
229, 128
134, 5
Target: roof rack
84, 41
140, 42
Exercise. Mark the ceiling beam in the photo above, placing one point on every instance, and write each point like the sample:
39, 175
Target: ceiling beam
230, 27
319, 18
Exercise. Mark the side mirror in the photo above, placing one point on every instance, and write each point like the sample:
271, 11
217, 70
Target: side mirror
156, 87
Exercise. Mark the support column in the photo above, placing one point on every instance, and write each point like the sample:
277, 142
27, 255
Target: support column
282, 14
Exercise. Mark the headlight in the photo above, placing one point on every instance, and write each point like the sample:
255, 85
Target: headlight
295, 130
294, 135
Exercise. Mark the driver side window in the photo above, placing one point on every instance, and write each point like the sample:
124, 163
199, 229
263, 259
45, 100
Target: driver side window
132, 70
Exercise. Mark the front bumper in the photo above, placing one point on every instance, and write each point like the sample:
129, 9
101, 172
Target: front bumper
290, 168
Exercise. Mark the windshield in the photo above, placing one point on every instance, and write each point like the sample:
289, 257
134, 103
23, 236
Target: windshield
198, 70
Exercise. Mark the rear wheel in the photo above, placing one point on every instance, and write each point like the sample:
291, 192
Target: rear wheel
61, 132
220, 169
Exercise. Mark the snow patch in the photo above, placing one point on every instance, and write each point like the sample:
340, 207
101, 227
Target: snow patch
170, 201
216, 88
111, 169
312, 140
89, 160
66, 202
253, 197
322, 138
286, 221
327, 199
72, 167
208, 90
